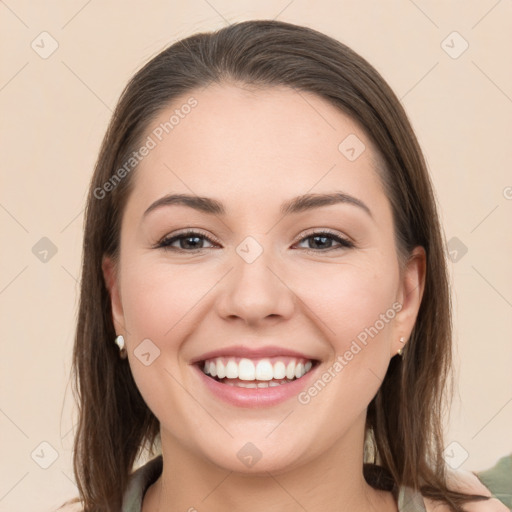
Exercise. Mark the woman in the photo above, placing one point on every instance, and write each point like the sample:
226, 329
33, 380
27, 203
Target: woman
264, 293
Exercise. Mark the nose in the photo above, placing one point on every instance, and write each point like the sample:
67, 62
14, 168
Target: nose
256, 292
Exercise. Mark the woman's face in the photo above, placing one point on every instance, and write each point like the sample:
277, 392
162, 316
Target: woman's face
259, 290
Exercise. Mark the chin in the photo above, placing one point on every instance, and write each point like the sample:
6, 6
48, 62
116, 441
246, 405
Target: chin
256, 457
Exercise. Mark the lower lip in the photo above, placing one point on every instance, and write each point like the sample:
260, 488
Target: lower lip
255, 397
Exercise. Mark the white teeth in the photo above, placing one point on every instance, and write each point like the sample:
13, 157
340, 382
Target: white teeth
246, 384
246, 370
254, 384
290, 370
279, 370
263, 370
221, 370
232, 370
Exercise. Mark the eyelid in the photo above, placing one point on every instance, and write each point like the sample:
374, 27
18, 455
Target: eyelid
326, 231
198, 231
183, 234
165, 242
343, 241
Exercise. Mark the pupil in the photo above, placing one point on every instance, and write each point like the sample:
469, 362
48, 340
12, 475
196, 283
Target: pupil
193, 245
320, 237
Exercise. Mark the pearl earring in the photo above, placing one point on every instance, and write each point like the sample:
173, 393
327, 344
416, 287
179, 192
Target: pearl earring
400, 350
122, 350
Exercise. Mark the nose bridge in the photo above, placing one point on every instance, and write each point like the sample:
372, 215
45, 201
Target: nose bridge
253, 290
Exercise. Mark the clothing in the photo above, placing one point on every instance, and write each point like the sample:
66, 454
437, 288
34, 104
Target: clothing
139, 482
498, 480
147, 474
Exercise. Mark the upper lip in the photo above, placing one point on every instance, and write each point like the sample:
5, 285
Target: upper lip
251, 353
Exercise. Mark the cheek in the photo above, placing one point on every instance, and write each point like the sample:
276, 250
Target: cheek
156, 297
162, 305
355, 311
348, 299
159, 304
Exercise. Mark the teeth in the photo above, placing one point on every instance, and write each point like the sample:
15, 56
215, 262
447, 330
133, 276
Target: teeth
221, 369
232, 370
247, 384
279, 370
290, 370
265, 371
246, 370
254, 384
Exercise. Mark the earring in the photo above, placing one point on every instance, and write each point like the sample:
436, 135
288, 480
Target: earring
122, 350
401, 350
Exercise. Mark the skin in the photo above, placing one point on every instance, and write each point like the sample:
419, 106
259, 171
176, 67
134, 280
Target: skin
252, 150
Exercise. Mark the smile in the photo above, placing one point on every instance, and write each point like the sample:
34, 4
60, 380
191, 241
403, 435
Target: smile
256, 373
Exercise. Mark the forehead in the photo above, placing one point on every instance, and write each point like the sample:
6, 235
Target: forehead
238, 142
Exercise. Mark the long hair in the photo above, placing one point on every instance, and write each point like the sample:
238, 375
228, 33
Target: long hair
404, 420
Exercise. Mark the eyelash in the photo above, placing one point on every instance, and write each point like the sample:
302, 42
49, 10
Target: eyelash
165, 243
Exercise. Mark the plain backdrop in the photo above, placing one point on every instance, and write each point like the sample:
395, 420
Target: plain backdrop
63, 66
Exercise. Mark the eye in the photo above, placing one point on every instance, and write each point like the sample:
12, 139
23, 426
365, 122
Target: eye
322, 241
188, 241
191, 241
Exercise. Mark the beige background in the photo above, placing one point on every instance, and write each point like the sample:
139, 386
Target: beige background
54, 114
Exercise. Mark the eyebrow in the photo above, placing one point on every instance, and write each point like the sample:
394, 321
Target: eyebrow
296, 205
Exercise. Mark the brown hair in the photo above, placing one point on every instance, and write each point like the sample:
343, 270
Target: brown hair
404, 420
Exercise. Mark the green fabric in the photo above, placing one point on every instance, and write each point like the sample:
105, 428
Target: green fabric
498, 480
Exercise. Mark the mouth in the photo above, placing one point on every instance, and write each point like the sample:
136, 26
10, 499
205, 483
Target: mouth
260, 373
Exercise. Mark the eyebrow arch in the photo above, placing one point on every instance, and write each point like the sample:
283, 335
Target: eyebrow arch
310, 201
296, 205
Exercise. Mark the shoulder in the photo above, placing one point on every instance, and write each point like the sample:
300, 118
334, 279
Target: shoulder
73, 505
467, 482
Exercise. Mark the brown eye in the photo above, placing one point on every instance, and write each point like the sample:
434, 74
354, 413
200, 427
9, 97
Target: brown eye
188, 242
323, 242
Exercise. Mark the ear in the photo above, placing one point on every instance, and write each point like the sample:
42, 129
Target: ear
110, 274
409, 296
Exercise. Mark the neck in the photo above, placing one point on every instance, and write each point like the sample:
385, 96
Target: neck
329, 482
